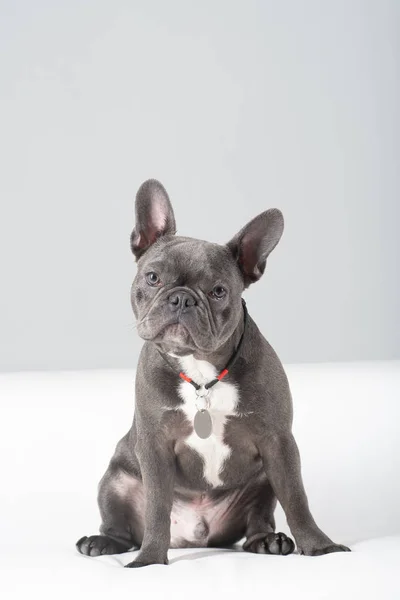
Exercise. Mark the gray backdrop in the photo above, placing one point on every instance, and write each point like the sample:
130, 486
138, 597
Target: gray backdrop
236, 106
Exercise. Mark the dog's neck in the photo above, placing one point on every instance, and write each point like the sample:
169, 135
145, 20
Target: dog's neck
220, 357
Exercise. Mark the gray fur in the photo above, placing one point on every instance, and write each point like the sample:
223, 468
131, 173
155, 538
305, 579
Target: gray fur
178, 316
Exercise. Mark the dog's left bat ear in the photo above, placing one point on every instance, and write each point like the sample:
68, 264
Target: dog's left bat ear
154, 216
252, 245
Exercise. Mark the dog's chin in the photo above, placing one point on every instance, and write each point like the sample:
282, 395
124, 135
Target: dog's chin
176, 340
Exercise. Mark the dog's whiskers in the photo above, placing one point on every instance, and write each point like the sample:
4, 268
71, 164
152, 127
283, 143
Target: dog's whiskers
144, 320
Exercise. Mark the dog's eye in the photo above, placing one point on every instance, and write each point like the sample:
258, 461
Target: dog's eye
152, 278
218, 292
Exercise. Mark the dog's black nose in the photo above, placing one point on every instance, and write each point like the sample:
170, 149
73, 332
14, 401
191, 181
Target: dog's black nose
181, 301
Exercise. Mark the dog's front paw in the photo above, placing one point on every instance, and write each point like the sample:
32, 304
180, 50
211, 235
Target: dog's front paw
97, 545
135, 564
269, 543
324, 550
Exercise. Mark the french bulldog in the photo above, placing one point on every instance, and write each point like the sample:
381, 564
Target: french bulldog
211, 449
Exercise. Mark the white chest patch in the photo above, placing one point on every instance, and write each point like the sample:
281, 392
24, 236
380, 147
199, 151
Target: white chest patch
223, 399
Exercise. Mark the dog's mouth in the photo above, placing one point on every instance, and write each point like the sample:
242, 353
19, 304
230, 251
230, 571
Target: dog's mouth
180, 334
175, 333
175, 339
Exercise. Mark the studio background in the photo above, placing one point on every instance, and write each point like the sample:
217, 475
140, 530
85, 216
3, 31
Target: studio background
236, 107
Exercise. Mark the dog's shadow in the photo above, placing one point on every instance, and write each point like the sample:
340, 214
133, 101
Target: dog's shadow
198, 554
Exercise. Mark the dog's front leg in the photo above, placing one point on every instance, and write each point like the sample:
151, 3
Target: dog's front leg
282, 464
157, 466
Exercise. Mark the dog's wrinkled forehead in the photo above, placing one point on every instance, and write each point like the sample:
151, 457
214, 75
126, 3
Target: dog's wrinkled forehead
187, 261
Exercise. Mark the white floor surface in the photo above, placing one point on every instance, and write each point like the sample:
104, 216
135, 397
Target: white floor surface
58, 431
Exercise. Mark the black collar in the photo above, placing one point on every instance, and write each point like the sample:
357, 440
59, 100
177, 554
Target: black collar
229, 365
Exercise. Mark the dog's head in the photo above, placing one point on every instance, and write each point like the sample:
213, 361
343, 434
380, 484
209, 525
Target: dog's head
186, 295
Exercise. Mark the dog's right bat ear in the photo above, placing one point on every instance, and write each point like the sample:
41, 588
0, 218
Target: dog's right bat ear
154, 216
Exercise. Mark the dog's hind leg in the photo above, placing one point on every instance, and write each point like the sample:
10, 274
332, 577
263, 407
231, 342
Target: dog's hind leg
120, 501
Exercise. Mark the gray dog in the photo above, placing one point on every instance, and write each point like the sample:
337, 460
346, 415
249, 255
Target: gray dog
210, 449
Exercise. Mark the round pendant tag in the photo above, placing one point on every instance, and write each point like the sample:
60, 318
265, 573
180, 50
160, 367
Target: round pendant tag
202, 424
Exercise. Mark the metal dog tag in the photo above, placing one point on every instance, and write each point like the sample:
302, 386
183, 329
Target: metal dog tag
203, 424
